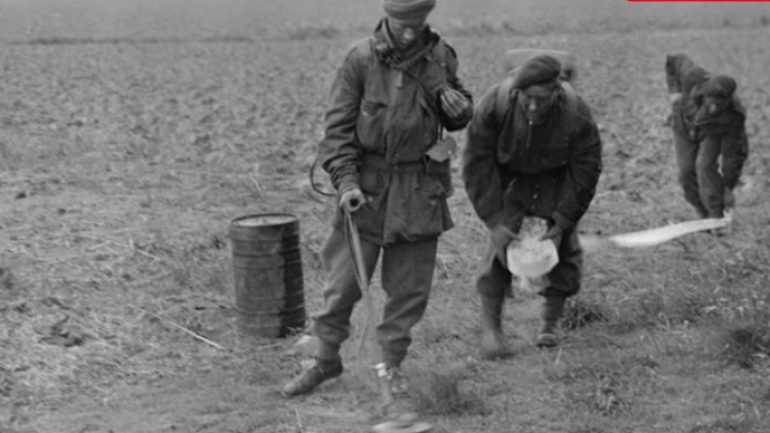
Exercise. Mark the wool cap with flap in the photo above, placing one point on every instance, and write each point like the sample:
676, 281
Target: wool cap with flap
408, 11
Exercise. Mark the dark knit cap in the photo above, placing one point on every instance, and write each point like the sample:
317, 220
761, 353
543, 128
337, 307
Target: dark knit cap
721, 86
543, 69
408, 10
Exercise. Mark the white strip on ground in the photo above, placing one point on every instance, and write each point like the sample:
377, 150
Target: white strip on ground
656, 236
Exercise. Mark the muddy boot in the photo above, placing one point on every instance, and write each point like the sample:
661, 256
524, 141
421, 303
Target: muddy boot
553, 307
395, 378
492, 340
318, 372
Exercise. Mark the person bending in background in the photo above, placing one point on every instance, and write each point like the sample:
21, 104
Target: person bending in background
533, 150
382, 147
705, 127
721, 125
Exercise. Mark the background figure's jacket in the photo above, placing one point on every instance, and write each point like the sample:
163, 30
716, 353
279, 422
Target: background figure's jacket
385, 108
512, 169
728, 126
685, 77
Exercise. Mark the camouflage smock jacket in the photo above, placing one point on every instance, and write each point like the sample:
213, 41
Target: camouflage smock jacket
513, 169
384, 116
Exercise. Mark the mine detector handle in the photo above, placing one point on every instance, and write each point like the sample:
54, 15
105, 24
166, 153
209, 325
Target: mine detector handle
359, 267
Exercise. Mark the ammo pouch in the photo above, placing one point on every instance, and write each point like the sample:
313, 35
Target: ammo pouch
438, 161
442, 170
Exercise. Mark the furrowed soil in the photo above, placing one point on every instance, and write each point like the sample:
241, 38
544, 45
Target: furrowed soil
132, 135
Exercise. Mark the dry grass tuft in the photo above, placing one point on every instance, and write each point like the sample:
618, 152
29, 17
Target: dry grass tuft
441, 394
610, 393
606, 383
745, 346
581, 312
663, 307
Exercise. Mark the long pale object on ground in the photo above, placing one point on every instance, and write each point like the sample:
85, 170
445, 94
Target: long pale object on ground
657, 236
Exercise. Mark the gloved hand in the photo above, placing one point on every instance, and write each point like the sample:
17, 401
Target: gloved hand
502, 236
729, 199
453, 102
352, 200
553, 233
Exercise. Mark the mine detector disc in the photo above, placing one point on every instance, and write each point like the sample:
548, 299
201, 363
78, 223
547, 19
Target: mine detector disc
406, 423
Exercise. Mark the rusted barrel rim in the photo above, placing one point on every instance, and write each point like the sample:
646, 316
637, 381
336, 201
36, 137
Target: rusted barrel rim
285, 218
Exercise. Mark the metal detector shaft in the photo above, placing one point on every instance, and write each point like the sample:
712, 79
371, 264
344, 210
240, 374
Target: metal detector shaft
354, 241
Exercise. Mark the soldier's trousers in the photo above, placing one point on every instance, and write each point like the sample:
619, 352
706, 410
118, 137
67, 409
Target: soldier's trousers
407, 276
699, 175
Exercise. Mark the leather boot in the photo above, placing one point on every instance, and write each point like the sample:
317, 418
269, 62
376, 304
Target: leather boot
492, 340
553, 308
326, 364
317, 373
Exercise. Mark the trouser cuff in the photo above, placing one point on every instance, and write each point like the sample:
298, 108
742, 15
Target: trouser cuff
391, 361
327, 351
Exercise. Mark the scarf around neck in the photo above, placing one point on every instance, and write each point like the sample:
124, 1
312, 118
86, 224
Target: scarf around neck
388, 52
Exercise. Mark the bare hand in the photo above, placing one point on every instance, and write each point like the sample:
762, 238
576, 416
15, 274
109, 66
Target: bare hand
453, 102
502, 236
675, 97
554, 233
352, 200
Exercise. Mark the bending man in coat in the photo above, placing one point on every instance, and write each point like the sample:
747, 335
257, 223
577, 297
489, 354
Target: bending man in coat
708, 121
533, 150
721, 123
392, 96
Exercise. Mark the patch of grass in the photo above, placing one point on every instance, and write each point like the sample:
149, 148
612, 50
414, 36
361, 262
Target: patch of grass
605, 394
482, 28
580, 312
664, 307
728, 425
202, 265
744, 346
229, 39
6, 279
305, 31
605, 382
441, 394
